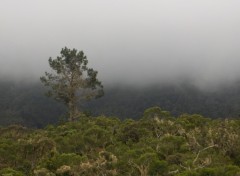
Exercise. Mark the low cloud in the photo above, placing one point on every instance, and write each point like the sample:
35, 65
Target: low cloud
132, 42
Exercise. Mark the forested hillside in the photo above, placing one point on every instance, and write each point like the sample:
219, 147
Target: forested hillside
119, 88
157, 144
25, 103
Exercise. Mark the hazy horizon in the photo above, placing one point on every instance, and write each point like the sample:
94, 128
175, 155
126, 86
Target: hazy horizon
128, 41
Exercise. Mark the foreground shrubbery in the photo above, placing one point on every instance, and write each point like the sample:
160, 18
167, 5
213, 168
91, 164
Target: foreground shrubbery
157, 144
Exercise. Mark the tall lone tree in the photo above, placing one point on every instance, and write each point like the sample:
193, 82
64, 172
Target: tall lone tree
72, 80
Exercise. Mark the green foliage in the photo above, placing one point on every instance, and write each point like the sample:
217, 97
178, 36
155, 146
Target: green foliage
155, 112
192, 121
43, 172
171, 144
189, 145
158, 167
228, 170
10, 172
72, 79
59, 160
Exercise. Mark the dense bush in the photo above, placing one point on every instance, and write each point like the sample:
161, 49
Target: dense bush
157, 144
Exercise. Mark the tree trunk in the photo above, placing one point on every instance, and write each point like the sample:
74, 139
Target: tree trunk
73, 110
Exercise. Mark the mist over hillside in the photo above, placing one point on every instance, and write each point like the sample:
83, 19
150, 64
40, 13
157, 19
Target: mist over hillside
25, 103
120, 87
130, 102
180, 55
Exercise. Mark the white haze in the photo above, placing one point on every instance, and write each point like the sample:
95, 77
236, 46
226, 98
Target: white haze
134, 42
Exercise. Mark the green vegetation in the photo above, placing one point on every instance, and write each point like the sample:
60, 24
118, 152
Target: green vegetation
72, 80
157, 144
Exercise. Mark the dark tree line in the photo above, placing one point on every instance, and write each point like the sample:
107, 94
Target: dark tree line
26, 104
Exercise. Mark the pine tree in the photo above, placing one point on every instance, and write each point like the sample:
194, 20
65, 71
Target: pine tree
72, 80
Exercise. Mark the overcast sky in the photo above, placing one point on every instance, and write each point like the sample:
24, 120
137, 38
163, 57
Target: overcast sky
134, 41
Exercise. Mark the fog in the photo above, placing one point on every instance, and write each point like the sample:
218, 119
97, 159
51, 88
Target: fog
135, 42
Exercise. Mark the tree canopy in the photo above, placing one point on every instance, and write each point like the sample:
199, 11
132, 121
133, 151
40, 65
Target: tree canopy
72, 80
188, 145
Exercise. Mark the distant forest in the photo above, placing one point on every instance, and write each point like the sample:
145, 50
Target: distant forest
25, 103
